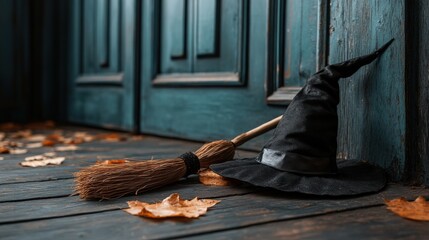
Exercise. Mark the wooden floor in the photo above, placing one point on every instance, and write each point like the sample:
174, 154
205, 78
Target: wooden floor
35, 203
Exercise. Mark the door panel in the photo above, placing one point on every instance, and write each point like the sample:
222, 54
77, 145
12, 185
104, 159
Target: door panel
201, 42
102, 75
216, 109
173, 37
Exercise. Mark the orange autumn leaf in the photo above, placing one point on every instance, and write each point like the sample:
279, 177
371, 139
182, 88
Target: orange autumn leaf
208, 177
113, 161
4, 150
416, 210
55, 137
172, 206
111, 137
76, 140
48, 143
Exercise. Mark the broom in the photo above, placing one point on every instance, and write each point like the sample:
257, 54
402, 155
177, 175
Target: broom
116, 180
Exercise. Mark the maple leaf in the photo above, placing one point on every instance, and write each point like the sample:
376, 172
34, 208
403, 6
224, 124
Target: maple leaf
416, 210
172, 206
210, 178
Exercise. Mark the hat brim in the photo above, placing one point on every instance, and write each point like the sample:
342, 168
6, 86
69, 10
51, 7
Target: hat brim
353, 178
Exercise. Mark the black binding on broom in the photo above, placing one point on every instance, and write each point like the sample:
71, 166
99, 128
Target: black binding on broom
192, 163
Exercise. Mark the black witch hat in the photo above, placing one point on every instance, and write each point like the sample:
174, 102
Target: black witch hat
301, 155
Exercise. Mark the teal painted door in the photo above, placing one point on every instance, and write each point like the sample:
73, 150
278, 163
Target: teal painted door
212, 69
102, 83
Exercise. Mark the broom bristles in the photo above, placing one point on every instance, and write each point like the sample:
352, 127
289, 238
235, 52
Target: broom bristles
215, 152
117, 180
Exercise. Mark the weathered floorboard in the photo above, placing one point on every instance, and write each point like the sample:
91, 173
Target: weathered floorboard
72, 205
35, 190
369, 223
232, 213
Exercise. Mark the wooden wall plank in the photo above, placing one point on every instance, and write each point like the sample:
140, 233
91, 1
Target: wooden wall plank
423, 110
417, 167
372, 108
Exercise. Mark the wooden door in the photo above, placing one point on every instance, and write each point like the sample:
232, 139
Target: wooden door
103, 63
212, 69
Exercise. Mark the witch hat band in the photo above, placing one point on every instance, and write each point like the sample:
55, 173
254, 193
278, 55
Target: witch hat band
301, 154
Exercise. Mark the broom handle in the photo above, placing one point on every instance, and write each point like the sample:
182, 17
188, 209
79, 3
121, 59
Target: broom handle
244, 137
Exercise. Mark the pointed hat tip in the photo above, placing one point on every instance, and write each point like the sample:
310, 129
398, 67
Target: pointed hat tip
384, 47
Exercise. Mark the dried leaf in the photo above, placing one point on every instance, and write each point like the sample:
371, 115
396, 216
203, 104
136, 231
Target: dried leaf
36, 138
18, 151
66, 148
2, 136
4, 150
50, 154
48, 143
208, 177
21, 134
111, 137
416, 210
172, 206
113, 161
84, 135
73, 140
137, 138
1, 158
11, 144
41, 157
34, 145
41, 163
48, 158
